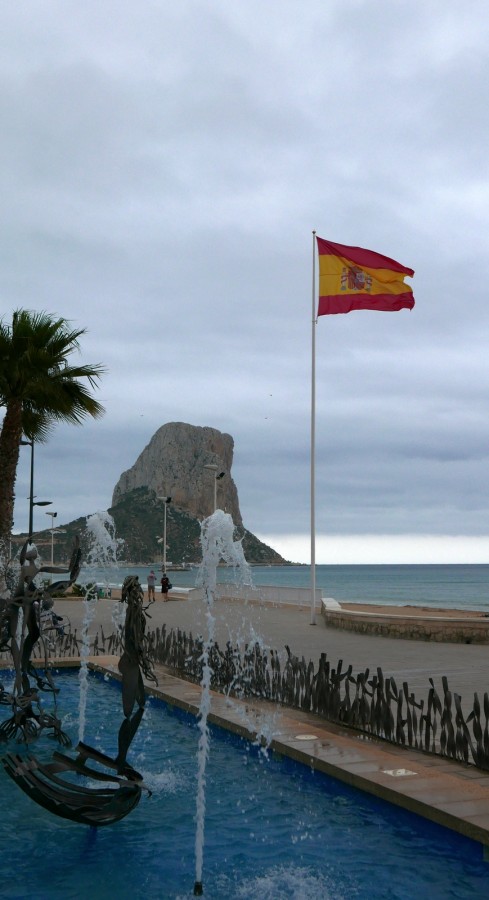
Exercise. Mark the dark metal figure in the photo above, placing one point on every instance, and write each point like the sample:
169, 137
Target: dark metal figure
95, 806
88, 806
133, 664
27, 719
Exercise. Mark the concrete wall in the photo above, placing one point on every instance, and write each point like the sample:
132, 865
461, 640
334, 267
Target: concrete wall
416, 628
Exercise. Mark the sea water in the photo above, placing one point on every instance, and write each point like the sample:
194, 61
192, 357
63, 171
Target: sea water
446, 586
274, 829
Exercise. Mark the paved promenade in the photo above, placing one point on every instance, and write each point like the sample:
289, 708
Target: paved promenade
465, 665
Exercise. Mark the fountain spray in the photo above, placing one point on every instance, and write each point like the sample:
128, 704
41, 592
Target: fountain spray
101, 555
217, 544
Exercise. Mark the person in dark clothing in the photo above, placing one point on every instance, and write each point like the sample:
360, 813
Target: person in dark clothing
165, 586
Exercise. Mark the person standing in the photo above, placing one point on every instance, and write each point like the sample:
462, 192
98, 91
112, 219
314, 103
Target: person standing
151, 586
165, 586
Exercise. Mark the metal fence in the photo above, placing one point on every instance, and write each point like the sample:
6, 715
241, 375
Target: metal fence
367, 701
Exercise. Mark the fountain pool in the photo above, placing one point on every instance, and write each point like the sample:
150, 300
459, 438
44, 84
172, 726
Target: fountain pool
273, 828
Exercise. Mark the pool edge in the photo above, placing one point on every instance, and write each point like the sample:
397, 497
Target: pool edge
443, 791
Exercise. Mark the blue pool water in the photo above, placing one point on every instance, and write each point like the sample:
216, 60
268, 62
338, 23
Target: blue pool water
273, 828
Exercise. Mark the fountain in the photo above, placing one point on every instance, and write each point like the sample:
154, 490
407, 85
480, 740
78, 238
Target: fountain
269, 824
102, 554
274, 829
218, 545
42, 782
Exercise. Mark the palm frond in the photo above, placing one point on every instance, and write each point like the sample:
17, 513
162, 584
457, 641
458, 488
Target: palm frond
39, 387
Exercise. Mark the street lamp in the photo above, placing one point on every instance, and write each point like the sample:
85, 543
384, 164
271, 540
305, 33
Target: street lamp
213, 468
53, 532
53, 516
32, 502
166, 501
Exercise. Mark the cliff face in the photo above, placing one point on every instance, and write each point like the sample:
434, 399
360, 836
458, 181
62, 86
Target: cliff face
173, 465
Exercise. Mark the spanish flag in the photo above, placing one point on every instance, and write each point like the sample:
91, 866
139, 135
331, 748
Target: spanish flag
352, 278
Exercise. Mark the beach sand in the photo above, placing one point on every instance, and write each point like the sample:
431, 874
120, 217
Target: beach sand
408, 609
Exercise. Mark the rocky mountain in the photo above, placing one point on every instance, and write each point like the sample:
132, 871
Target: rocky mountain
172, 465
139, 519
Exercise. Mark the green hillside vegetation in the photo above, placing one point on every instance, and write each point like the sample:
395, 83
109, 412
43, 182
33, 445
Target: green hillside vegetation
138, 519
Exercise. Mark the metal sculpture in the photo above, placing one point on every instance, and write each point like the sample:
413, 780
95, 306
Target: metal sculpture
44, 782
28, 719
133, 664
88, 806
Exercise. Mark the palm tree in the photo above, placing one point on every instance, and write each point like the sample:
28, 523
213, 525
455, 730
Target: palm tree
38, 387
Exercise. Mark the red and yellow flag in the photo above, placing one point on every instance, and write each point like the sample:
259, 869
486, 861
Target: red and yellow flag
352, 278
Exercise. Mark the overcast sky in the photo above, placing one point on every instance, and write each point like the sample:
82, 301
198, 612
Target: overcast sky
162, 168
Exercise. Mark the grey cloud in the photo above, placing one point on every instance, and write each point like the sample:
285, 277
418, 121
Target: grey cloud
162, 169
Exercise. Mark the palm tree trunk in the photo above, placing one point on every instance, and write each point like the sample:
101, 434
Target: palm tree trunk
10, 437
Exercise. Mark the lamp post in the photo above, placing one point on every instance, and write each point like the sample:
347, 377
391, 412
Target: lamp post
53, 516
213, 468
53, 532
166, 501
32, 502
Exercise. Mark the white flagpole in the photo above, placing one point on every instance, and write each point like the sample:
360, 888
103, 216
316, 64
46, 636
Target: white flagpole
313, 437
